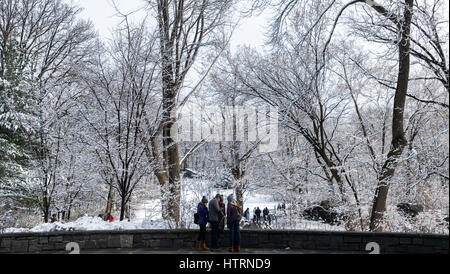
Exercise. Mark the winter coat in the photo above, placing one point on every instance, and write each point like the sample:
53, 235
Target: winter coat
247, 214
223, 214
202, 212
110, 218
233, 214
214, 211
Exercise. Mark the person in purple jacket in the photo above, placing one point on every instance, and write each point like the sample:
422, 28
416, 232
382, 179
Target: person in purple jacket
202, 211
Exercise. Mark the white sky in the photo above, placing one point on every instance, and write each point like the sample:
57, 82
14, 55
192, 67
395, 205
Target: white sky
101, 12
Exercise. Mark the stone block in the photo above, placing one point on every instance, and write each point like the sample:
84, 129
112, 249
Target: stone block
5, 243
296, 244
33, 245
43, 240
147, 236
417, 241
251, 242
391, 241
300, 237
90, 245
177, 243
188, 244
114, 241
59, 246
405, 241
350, 247
97, 237
82, 244
5, 250
55, 239
101, 244
166, 243
126, 241
154, 243
307, 245
19, 246
434, 242
76, 238
349, 239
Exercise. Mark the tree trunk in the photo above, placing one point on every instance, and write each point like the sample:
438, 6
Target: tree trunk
398, 135
240, 194
46, 209
123, 204
109, 202
171, 155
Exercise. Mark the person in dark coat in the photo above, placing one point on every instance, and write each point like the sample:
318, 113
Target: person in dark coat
233, 219
202, 211
265, 213
258, 214
215, 215
223, 219
54, 218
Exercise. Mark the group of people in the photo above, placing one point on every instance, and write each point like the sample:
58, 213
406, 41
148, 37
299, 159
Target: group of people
257, 215
107, 217
281, 206
215, 213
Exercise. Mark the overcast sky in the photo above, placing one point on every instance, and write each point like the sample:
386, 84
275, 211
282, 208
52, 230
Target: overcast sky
101, 12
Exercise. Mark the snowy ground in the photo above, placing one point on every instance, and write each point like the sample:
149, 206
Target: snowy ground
82, 224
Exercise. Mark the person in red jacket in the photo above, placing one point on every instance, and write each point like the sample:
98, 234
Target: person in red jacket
109, 218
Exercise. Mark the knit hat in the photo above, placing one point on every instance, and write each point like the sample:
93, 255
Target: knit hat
204, 200
230, 197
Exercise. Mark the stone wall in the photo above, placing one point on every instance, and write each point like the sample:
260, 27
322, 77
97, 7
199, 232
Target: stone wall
185, 239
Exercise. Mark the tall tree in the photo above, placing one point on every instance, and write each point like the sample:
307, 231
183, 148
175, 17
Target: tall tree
400, 23
184, 28
122, 86
51, 41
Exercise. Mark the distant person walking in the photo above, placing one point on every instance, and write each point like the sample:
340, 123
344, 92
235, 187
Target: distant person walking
215, 216
234, 216
54, 219
247, 214
266, 214
258, 214
202, 211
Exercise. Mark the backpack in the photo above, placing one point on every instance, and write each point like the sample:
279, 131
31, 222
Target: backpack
236, 213
196, 218
239, 218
